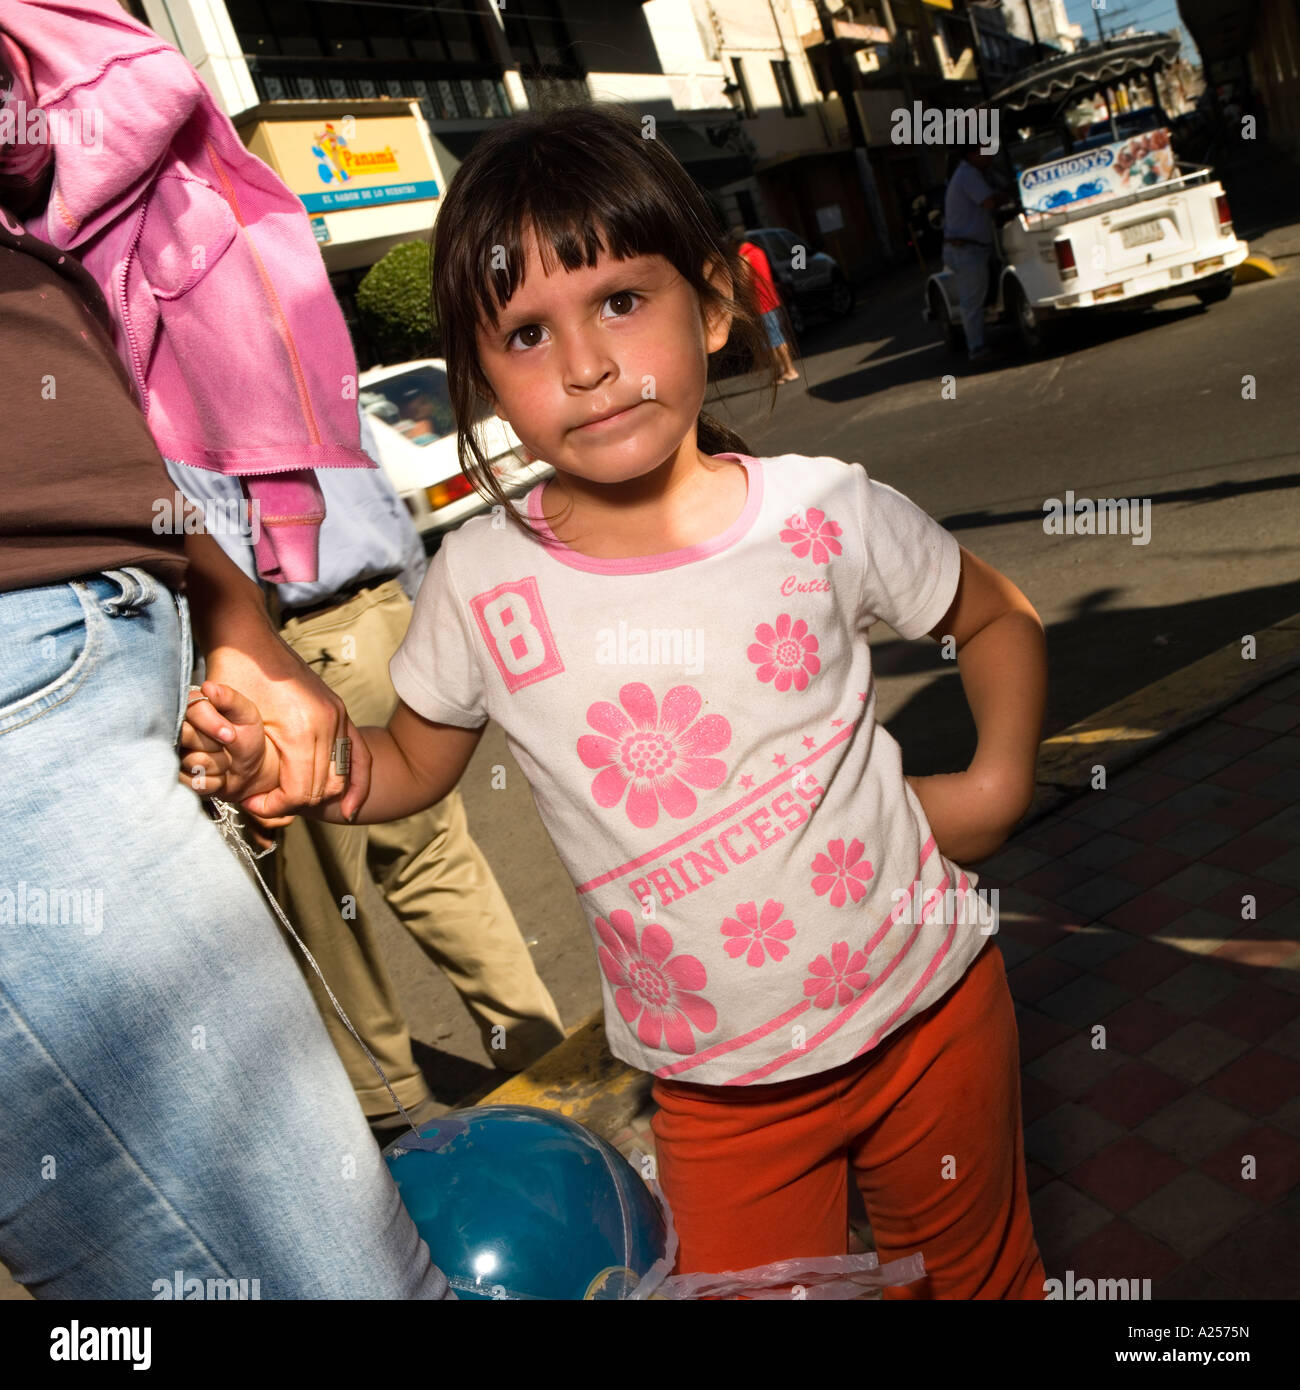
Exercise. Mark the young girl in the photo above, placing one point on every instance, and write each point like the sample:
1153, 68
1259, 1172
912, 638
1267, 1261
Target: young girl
673, 635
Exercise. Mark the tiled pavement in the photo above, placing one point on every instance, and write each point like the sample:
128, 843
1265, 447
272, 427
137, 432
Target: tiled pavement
1173, 1151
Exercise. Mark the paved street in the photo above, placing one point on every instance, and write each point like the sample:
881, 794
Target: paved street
1146, 406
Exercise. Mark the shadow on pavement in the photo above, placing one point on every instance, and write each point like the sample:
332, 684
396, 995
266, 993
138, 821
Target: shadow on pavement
1090, 665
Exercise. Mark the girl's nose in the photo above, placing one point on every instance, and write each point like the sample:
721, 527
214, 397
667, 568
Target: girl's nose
587, 361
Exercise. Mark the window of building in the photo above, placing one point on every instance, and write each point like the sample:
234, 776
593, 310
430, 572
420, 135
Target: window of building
738, 70
291, 24
371, 33
785, 85
540, 41
911, 45
341, 28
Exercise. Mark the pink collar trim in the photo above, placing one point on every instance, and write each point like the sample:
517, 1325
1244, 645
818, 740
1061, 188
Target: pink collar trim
669, 559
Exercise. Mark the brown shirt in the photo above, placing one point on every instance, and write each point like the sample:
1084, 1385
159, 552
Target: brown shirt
82, 483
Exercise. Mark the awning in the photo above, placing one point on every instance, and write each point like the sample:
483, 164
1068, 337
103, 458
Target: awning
1052, 81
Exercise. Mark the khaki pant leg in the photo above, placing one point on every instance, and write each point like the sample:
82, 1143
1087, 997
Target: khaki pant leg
433, 875
323, 887
437, 881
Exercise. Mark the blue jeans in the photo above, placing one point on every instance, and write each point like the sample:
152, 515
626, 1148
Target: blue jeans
170, 1100
772, 326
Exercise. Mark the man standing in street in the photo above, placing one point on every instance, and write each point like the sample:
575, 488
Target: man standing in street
968, 240
433, 876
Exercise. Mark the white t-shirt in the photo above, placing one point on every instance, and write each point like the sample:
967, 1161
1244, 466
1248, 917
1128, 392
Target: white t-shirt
964, 214
698, 730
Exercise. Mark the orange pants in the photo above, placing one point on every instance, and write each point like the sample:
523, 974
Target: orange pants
929, 1122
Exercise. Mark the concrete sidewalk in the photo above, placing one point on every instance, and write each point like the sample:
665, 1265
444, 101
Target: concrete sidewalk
1123, 908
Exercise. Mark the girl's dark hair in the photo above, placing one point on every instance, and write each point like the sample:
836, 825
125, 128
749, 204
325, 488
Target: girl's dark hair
585, 178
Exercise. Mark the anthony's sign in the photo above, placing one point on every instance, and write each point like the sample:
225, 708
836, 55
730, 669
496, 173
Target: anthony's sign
348, 162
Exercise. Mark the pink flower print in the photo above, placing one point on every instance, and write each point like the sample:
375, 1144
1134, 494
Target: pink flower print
653, 752
813, 532
755, 933
784, 654
662, 992
839, 869
837, 980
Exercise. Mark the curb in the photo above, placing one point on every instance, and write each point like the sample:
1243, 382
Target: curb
1122, 733
583, 1080
1256, 267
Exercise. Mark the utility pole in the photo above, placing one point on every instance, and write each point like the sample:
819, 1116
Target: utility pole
841, 80
978, 49
1036, 51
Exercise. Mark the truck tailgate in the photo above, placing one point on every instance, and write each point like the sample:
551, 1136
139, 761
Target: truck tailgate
1146, 234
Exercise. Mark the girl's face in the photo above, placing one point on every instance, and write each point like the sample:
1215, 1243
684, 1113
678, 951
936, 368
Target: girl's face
619, 336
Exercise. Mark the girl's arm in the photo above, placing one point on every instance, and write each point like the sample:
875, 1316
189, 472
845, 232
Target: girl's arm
415, 763
1002, 658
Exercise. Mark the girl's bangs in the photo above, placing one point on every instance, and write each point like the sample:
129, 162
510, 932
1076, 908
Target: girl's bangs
572, 235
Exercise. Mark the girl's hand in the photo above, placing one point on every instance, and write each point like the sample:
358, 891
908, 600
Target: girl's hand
972, 813
225, 750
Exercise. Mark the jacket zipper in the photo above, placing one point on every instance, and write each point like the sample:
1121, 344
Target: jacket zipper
300, 380
133, 346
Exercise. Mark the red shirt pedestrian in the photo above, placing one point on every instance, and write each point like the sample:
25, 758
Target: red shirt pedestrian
764, 285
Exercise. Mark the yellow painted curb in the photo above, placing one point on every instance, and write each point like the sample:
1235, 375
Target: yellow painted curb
582, 1079
1123, 732
1255, 268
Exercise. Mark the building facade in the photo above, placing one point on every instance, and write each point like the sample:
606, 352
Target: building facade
367, 110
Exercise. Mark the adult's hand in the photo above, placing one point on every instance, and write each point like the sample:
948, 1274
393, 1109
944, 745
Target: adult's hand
301, 714
302, 718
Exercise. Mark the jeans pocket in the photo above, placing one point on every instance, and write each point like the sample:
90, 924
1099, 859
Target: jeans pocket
53, 639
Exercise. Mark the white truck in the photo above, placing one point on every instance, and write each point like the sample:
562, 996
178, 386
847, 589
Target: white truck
1103, 223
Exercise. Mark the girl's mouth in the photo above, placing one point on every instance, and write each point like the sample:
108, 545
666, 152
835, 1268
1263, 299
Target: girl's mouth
610, 420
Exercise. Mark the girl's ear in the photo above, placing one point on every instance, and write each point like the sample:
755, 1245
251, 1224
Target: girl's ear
717, 320
488, 399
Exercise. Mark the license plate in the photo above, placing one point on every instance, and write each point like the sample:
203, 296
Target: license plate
1142, 232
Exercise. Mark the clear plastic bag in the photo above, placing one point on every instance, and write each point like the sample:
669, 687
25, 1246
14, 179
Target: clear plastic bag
825, 1277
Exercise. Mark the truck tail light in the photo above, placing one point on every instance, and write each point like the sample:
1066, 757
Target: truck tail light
1225, 214
1065, 259
451, 490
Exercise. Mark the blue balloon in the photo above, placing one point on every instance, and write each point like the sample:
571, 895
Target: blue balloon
517, 1202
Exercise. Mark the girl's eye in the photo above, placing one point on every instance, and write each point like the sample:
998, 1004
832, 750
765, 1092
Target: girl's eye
624, 295
527, 328
626, 298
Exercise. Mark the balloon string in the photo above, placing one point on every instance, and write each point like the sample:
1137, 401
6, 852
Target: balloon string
230, 825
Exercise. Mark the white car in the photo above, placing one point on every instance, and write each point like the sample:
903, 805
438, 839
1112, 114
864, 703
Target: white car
409, 409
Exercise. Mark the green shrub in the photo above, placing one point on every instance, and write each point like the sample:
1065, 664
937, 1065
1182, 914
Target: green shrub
393, 303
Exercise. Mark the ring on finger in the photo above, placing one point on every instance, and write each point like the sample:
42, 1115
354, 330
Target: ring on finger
341, 758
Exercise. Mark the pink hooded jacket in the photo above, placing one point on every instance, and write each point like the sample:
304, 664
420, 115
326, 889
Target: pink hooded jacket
222, 306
